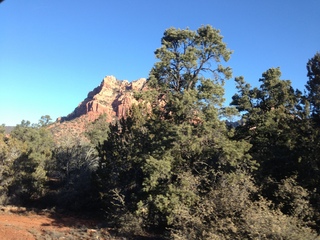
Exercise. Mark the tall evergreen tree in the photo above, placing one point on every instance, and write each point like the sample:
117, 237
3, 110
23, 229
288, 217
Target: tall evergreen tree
157, 163
313, 85
270, 114
276, 124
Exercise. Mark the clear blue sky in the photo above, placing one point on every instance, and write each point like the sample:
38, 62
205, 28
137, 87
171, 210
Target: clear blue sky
52, 53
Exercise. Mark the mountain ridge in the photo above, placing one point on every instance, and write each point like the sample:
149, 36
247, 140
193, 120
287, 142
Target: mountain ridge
112, 97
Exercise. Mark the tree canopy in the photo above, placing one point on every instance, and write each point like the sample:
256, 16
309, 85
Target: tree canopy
185, 56
313, 84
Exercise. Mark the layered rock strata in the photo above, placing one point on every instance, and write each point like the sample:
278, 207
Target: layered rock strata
113, 97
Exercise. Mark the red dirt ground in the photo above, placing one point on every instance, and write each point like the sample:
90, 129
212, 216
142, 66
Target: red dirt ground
28, 225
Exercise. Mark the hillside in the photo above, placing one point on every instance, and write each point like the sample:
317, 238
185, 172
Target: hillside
112, 97
8, 129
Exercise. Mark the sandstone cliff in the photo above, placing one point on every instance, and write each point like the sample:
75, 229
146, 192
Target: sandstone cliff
113, 97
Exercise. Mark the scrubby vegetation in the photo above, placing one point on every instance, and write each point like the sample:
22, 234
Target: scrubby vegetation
174, 167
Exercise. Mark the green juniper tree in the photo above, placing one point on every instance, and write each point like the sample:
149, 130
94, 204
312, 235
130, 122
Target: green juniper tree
275, 122
270, 114
29, 168
44, 121
97, 131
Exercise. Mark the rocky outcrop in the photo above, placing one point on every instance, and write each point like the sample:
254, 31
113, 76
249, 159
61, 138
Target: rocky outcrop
112, 97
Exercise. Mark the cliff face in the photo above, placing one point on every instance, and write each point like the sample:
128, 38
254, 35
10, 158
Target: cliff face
113, 97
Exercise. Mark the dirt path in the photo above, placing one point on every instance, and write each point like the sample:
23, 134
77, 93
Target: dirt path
20, 224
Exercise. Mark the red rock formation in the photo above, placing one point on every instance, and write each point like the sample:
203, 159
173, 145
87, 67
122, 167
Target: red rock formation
113, 97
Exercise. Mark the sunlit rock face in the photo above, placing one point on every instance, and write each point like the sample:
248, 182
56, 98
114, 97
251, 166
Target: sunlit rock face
112, 97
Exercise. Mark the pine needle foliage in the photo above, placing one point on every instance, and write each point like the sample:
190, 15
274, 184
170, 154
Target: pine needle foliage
163, 159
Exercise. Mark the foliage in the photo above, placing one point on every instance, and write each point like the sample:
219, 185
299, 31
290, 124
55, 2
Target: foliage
154, 164
270, 114
70, 173
233, 210
185, 55
44, 121
173, 167
29, 148
98, 130
313, 84
5, 161
277, 124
